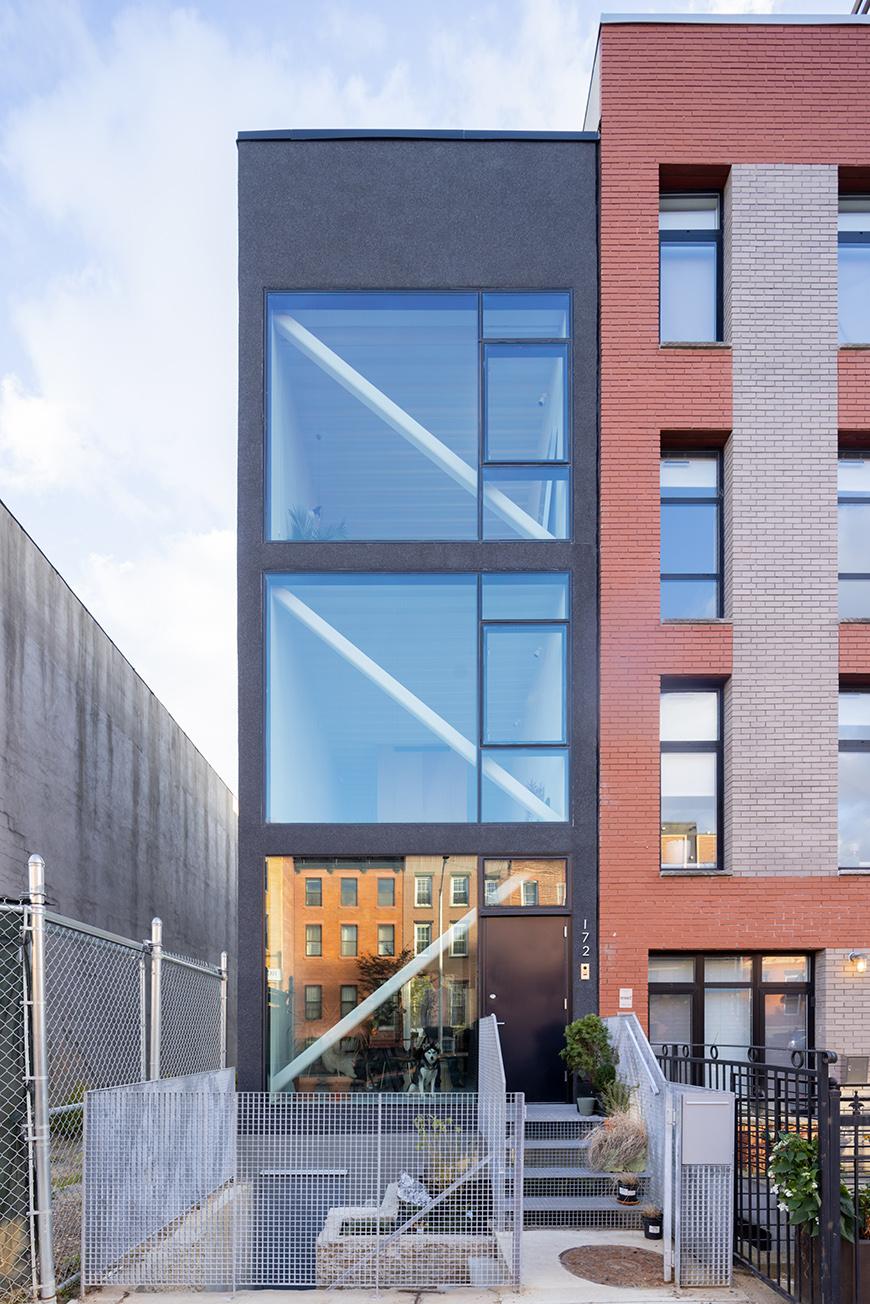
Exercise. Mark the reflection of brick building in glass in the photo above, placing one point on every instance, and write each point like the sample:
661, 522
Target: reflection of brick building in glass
339, 930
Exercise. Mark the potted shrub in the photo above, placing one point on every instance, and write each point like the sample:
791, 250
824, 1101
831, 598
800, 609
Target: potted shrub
592, 1057
618, 1145
651, 1217
794, 1174
626, 1188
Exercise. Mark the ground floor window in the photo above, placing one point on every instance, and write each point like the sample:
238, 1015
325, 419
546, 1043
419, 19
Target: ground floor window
389, 1002
732, 1001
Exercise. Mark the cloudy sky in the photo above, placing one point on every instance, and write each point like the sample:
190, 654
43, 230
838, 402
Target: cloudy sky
117, 275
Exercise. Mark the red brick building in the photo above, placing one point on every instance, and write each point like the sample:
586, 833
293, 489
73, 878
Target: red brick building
728, 148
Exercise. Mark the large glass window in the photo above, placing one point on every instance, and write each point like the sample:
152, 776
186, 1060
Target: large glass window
691, 764
373, 691
853, 514
854, 804
854, 260
373, 403
524, 884
381, 1004
691, 578
690, 262
731, 1002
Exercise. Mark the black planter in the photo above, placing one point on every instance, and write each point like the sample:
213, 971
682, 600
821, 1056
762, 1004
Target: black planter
626, 1194
652, 1228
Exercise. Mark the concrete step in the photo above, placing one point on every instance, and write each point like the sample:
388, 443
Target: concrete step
547, 1112
557, 1143
562, 1173
576, 1204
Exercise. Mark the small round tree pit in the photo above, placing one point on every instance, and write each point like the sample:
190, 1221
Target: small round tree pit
614, 1265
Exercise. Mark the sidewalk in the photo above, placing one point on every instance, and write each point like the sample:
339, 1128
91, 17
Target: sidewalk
545, 1281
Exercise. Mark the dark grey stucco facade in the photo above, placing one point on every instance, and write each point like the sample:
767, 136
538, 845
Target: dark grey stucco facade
447, 212
97, 777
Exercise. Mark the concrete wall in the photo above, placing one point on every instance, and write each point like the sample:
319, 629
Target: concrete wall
98, 778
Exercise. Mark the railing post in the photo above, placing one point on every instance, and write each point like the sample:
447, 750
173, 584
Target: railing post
224, 976
143, 1015
829, 1165
41, 1121
156, 973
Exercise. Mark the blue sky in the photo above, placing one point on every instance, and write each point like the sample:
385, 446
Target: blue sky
117, 281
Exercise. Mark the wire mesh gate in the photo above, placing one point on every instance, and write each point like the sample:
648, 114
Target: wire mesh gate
188, 1184
74, 1005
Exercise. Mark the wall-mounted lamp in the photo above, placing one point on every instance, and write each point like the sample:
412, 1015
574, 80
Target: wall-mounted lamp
859, 960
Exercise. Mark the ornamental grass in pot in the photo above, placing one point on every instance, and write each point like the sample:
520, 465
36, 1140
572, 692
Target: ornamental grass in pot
626, 1188
651, 1217
618, 1145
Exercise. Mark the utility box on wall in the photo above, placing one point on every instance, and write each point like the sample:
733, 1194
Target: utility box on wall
707, 1127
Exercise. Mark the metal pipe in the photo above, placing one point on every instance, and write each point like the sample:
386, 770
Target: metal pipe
224, 977
41, 1136
156, 973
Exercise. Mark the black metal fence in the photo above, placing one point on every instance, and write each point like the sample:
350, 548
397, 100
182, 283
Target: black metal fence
792, 1093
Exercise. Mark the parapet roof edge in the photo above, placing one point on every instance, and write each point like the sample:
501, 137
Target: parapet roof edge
739, 20
410, 134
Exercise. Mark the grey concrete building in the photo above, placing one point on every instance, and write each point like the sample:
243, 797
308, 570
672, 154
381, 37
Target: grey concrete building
98, 778
417, 603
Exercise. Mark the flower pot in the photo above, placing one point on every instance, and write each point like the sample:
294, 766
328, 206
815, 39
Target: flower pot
586, 1105
626, 1194
652, 1228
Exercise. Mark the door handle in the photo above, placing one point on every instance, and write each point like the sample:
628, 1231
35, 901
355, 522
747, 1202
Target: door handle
499, 1023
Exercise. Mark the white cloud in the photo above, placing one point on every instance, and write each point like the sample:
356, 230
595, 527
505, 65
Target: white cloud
40, 443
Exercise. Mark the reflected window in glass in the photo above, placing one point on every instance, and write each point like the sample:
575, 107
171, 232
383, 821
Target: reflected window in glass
854, 269
691, 767
854, 780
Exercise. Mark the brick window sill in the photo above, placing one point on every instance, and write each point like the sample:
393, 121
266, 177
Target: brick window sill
703, 344
698, 620
696, 873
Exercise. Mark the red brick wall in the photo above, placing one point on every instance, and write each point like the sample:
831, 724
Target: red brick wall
693, 95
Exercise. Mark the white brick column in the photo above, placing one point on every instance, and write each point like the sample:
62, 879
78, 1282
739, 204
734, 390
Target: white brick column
781, 529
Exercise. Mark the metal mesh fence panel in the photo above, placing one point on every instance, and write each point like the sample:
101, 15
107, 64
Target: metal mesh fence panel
706, 1193
15, 1247
389, 1191
95, 1038
191, 1016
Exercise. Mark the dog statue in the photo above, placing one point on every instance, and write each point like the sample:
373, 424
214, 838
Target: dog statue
424, 1076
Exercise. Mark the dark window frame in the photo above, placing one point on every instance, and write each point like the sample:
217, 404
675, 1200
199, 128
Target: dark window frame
758, 988
852, 455
391, 884
318, 883
483, 462
851, 745
854, 238
714, 454
314, 941
706, 746
348, 905
697, 235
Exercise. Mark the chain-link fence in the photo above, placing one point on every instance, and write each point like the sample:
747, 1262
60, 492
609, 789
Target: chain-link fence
74, 1015
16, 1267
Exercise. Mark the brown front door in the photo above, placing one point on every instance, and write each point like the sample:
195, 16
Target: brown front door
525, 985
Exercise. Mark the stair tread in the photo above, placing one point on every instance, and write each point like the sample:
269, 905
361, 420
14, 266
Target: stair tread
555, 1113
556, 1143
557, 1173
557, 1203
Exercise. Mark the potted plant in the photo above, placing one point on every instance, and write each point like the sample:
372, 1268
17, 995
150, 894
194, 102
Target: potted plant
626, 1188
651, 1217
795, 1177
590, 1054
618, 1145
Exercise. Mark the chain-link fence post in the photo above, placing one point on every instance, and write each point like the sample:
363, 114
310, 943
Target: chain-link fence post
224, 975
156, 975
39, 1070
